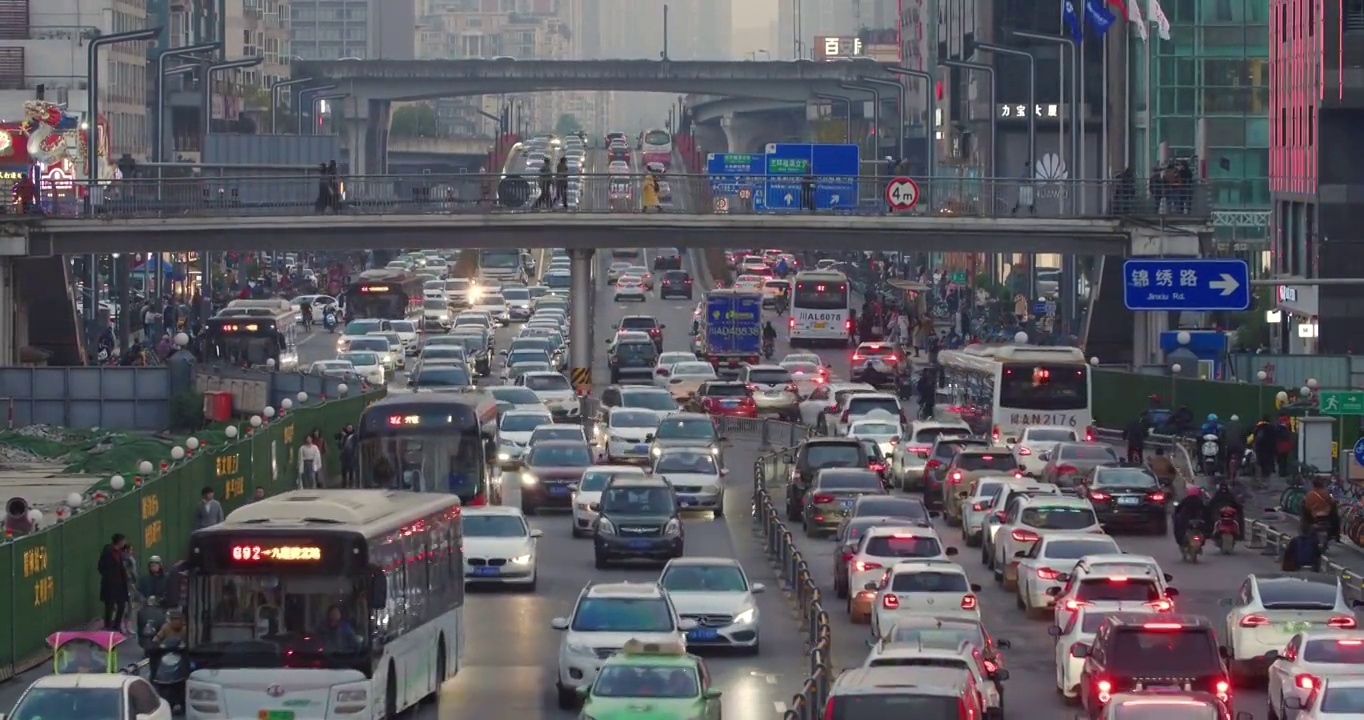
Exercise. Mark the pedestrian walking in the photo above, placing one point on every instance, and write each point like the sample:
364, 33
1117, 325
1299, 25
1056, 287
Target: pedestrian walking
1026, 198
113, 582
807, 193
349, 455
209, 511
546, 198
309, 462
561, 182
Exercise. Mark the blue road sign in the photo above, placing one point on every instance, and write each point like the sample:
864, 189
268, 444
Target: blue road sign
728, 172
835, 169
1190, 284
1359, 451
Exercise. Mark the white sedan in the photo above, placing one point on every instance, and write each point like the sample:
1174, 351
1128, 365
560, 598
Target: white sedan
664, 367
588, 493
687, 377
628, 433
554, 391
1025, 523
333, 368
716, 594
1049, 559
913, 588
1309, 657
885, 432
93, 696
1339, 698
368, 365
1274, 608
1078, 631
630, 287
616, 269
1036, 440
695, 475
499, 547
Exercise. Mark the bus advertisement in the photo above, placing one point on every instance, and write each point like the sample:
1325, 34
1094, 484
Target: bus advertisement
820, 310
656, 146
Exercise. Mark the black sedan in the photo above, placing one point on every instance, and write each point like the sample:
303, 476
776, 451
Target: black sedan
1126, 497
675, 283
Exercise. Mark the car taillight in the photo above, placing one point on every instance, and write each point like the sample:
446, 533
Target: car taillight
863, 566
829, 709
890, 602
1156, 497
1065, 469
751, 387
1306, 682
1345, 622
1095, 495
979, 507
1024, 451
968, 602
892, 358
955, 477
1254, 621
1074, 605
994, 433
847, 556
1024, 536
1105, 689
663, 372
831, 408
791, 387
1161, 605
1047, 574
933, 464
1089, 434
791, 323
847, 325
822, 499
857, 356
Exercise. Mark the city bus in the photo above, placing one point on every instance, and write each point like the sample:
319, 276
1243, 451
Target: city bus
1000, 389
820, 308
656, 146
325, 605
438, 442
384, 293
251, 333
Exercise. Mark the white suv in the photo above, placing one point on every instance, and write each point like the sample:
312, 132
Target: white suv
606, 616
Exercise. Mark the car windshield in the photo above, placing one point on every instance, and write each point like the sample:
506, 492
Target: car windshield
1042, 435
634, 419
457, 286
595, 480
896, 507
360, 327
1296, 594
770, 377
901, 703
1087, 452
1175, 709
523, 423
403, 326
1187, 652
503, 526
1076, 549
912, 661
972, 461
1339, 651
547, 382
703, 578
493, 300
685, 429
926, 436
443, 353
646, 682
686, 462
1058, 517
1126, 478
376, 344
1346, 701
638, 500
801, 368
435, 305
514, 395
360, 358
623, 615
443, 376
920, 581
726, 390
1117, 588
516, 294
557, 432
527, 356
638, 323
560, 456
70, 703
693, 369
826, 455
903, 546
862, 406
950, 449
945, 635
875, 428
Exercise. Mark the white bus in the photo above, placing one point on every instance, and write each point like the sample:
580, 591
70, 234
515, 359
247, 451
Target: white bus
325, 605
1000, 389
255, 331
820, 308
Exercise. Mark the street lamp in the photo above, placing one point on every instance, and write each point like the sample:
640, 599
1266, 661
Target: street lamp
1076, 131
847, 118
1175, 370
315, 108
1032, 93
275, 87
994, 98
162, 72
875, 111
92, 121
208, 85
900, 89
309, 105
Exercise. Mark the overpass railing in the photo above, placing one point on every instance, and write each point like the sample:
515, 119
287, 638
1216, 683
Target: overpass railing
435, 194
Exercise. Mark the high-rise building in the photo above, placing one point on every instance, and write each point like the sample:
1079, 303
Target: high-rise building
44, 43
364, 29
1316, 107
799, 22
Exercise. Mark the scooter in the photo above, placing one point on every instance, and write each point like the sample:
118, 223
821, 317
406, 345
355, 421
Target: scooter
329, 321
1193, 542
769, 347
171, 670
1210, 453
1227, 530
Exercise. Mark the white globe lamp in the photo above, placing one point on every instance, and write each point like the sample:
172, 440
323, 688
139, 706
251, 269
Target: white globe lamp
230, 431
177, 453
116, 482
255, 421
1183, 337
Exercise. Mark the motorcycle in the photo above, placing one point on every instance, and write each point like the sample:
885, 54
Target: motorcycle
769, 347
329, 321
1209, 454
1193, 542
1228, 528
150, 617
169, 671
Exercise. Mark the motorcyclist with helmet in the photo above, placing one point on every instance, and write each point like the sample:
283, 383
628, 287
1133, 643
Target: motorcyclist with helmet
1211, 426
1192, 510
769, 338
1223, 497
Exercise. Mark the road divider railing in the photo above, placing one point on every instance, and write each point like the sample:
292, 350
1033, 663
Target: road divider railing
1272, 542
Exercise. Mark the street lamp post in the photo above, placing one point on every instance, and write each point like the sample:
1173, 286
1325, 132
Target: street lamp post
316, 107
208, 86
1076, 131
1032, 92
994, 118
847, 117
275, 87
900, 90
159, 124
931, 92
875, 110
309, 104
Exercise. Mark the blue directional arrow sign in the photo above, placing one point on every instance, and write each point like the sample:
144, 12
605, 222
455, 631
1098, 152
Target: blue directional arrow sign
833, 168
728, 172
1190, 284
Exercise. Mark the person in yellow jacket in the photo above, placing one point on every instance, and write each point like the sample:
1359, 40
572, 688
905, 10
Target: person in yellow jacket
650, 199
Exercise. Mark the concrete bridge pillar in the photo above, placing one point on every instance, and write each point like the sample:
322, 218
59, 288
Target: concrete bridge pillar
709, 139
10, 337
744, 134
366, 138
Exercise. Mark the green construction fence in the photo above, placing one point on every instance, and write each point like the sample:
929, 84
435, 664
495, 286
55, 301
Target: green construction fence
53, 584
1119, 396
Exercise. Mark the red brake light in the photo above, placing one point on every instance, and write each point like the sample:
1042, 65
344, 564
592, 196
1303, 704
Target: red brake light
1341, 622
791, 323
1089, 434
847, 556
1223, 690
1350, 642
1105, 689
1306, 682
832, 408
1096, 495
1254, 621
1047, 574
968, 602
1163, 626
1024, 451
979, 507
933, 464
1074, 605
1025, 536
479, 499
857, 356
1065, 469
1156, 497
891, 358
829, 709
890, 602
956, 477
863, 566
847, 325
1161, 605
822, 499
994, 433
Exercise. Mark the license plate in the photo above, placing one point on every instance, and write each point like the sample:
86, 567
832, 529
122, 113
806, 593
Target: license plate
640, 449
729, 403
1296, 627
685, 502
639, 544
487, 571
845, 503
819, 326
1129, 501
703, 634
775, 393
275, 715
558, 489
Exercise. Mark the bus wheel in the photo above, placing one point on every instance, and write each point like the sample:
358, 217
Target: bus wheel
391, 695
441, 673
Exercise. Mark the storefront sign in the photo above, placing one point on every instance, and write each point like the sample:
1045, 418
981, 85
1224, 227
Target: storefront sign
1019, 111
834, 48
1300, 300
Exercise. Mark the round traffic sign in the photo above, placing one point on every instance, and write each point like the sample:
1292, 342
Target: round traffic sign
1359, 451
745, 193
902, 193
721, 205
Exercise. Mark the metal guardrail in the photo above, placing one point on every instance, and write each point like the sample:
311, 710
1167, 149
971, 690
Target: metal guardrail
296, 194
1179, 449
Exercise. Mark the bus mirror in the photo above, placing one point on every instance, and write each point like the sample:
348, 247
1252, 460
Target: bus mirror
378, 590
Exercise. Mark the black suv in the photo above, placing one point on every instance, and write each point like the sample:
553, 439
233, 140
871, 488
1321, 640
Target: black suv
637, 519
667, 259
644, 324
675, 283
633, 360
1134, 651
814, 455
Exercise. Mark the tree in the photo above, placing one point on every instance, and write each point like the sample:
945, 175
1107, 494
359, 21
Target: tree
416, 120
568, 124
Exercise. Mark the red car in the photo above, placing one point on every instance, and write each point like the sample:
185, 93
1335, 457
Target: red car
725, 397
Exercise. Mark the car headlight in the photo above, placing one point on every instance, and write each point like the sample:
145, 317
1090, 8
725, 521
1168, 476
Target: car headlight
656, 452
503, 456
529, 479
521, 559
714, 450
674, 527
746, 616
576, 649
352, 696
605, 527
203, 695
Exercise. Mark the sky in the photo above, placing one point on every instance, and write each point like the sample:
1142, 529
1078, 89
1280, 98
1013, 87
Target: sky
755, 26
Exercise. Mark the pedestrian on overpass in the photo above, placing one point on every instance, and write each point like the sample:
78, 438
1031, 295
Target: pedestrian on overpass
650, 193
1025, 191
807, 193
561, 182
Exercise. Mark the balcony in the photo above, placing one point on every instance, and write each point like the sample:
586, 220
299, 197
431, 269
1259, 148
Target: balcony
14, 20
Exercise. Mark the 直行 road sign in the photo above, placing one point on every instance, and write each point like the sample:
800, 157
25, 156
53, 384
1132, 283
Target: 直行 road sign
902, 193
833, 168
1189, 284
1341, 402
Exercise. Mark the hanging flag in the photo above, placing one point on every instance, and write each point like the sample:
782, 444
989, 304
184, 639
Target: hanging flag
1157, 15
1099, 16
1072, 20
1121, 7
1134, 17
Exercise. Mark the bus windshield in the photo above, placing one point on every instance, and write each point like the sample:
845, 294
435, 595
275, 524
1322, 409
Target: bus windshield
391, 305
657, 137
1035, 386
499, 259
820, 295
414, 454
323, 617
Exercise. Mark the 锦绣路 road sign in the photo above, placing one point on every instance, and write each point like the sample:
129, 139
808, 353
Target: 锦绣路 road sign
1341, 402
1186, 284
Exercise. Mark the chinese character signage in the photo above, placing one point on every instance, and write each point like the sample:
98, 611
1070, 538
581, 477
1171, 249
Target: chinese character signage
834, 48
1019, 111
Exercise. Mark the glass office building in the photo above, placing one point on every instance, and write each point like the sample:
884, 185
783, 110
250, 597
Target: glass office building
1209, 86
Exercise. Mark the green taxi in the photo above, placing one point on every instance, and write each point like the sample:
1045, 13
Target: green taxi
651, 681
